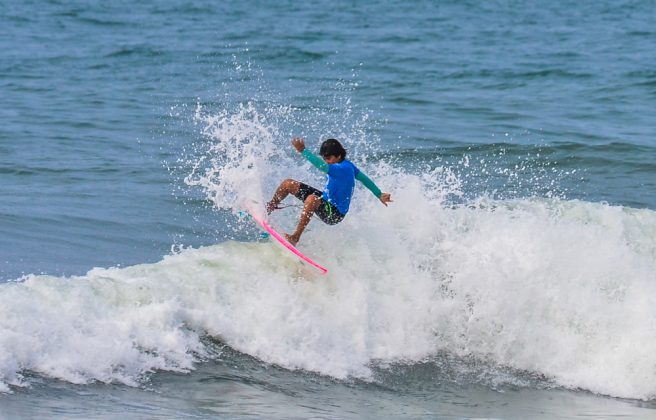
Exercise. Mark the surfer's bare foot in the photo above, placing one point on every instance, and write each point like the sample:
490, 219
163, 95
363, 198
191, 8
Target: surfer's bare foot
270, 207
291, 239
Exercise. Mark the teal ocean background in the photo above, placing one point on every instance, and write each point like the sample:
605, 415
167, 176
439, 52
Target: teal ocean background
513, 276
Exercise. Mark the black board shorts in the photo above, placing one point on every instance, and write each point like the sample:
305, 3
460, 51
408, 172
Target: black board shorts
326, 211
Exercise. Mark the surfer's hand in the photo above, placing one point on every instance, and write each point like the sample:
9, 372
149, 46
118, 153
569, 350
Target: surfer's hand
385, 198
299, 144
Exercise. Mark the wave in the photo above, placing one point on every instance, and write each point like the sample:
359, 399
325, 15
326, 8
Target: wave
560, 289
554, 287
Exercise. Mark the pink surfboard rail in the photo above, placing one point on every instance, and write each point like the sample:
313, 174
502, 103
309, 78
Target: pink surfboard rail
285, 242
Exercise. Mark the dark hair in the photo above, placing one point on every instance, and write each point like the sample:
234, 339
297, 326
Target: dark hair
332, 147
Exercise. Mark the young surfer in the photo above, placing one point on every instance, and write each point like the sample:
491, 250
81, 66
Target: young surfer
332, 204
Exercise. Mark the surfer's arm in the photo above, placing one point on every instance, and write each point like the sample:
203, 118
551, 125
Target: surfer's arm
299, 145
315, 160
371, 186
367, 182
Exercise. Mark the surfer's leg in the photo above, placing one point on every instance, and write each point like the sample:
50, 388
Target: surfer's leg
286, 187
312, 202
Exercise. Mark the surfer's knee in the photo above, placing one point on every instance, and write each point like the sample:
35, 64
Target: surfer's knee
291, 185
312, 201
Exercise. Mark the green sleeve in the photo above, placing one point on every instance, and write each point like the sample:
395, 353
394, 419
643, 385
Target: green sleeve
315, 160
367, 182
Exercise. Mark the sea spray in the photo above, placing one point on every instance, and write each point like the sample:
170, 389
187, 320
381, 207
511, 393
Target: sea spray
532, 284
234, 165
511, 282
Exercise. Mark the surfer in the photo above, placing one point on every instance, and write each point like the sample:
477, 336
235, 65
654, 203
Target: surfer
332, 204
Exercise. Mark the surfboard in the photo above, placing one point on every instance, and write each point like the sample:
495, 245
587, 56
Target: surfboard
284, 242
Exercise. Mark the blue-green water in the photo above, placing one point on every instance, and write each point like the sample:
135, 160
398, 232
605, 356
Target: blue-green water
512, 277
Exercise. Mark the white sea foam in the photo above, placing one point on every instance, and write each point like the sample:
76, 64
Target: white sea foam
558, 288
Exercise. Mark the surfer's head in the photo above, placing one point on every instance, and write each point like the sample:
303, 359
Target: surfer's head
332, 149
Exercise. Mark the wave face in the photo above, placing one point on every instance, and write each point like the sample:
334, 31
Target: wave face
554, 287
560, 289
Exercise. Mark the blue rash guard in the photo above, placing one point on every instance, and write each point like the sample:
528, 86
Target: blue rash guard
341, 181
340, 185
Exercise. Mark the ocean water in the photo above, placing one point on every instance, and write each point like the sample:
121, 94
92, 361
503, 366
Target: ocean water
512, 277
